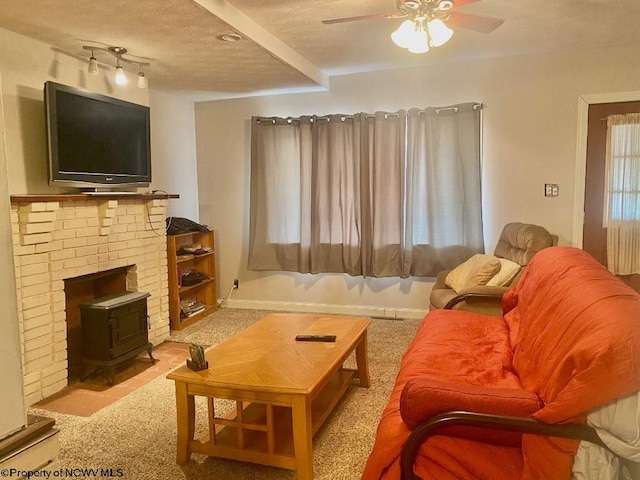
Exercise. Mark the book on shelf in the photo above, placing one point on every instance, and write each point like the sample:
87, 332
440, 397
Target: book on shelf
190, 306
194, 250
193, 312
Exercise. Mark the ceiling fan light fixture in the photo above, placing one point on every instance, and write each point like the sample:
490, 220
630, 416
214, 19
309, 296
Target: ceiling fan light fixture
403, 35
439, 33
428, 18
419, 40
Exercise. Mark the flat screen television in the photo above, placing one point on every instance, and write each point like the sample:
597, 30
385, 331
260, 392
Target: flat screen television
95, 141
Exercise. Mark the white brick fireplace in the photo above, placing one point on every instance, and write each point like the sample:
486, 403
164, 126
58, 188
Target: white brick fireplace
66, 236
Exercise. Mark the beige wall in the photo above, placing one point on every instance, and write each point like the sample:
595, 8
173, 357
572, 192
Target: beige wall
12, 416
173, 149
530, 125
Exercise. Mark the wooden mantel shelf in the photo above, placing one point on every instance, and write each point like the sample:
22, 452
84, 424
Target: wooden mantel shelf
79, 197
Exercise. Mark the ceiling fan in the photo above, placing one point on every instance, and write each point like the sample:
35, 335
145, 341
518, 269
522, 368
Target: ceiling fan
437, 8
426, 22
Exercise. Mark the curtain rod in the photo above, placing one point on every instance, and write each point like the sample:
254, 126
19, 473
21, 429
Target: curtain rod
453, 108
617, 115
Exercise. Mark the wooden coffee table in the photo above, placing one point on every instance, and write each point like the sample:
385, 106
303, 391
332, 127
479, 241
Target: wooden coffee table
283, 389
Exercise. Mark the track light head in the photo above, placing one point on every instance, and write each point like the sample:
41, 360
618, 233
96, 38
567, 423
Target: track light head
93, 65
121, 78
142, 80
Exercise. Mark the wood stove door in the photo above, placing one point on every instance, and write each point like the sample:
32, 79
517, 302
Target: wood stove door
129, 328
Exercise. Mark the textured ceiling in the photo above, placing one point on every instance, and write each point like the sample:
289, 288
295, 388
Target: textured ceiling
285, 45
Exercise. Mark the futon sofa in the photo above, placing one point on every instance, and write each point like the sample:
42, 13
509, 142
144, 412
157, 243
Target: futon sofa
517, 396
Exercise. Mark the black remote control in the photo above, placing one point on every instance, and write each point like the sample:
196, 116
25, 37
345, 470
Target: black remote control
316, 338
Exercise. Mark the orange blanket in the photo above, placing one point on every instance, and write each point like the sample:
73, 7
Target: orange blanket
459, 347
571, 335
575, 331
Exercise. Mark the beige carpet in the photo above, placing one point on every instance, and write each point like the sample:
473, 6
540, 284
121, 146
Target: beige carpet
138, 433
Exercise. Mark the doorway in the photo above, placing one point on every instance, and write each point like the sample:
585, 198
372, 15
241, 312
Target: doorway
594, 236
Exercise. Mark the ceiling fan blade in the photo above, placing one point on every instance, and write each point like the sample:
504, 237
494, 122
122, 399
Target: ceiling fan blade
477, 23
363, 17
460, 3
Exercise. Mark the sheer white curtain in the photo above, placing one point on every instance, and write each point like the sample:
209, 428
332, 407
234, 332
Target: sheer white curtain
621, 215
389, 194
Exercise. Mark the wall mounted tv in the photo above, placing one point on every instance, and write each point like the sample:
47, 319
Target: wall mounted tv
95, 141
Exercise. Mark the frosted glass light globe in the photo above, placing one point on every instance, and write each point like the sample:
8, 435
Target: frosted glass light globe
439, 32
402, 36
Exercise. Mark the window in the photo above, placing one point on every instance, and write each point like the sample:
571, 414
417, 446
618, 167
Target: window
384, 194
621, 212
623, 169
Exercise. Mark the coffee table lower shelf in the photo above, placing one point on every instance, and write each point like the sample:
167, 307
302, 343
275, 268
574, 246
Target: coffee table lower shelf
263, 432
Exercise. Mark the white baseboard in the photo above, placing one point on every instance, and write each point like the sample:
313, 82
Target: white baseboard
358, 310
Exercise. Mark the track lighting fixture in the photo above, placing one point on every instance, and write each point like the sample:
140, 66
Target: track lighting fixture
118, 53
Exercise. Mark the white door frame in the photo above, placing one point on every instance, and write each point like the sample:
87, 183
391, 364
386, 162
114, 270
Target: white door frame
581, 152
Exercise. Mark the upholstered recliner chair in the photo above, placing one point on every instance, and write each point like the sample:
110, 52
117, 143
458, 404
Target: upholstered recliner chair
478, 284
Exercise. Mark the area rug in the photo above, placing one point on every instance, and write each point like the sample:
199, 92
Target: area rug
137, 434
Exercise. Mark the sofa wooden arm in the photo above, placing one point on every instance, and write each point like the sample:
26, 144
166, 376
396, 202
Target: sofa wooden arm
471, 295
500, 422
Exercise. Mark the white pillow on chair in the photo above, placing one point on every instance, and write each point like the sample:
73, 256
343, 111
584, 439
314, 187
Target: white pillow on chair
478, 270
508, 271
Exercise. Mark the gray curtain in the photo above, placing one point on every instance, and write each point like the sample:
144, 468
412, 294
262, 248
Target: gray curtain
444, 197
340, 194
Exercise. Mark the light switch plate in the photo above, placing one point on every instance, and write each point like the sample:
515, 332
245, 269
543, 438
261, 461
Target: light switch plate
551, 189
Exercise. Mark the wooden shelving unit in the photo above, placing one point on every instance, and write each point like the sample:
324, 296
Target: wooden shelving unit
204, 291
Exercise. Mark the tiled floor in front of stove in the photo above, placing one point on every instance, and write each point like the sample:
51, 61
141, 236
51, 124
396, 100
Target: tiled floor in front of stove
86, 398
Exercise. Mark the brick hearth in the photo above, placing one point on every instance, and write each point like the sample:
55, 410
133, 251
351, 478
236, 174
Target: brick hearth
74, 236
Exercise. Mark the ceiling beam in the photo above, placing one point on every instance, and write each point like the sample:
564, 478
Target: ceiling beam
245, 26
